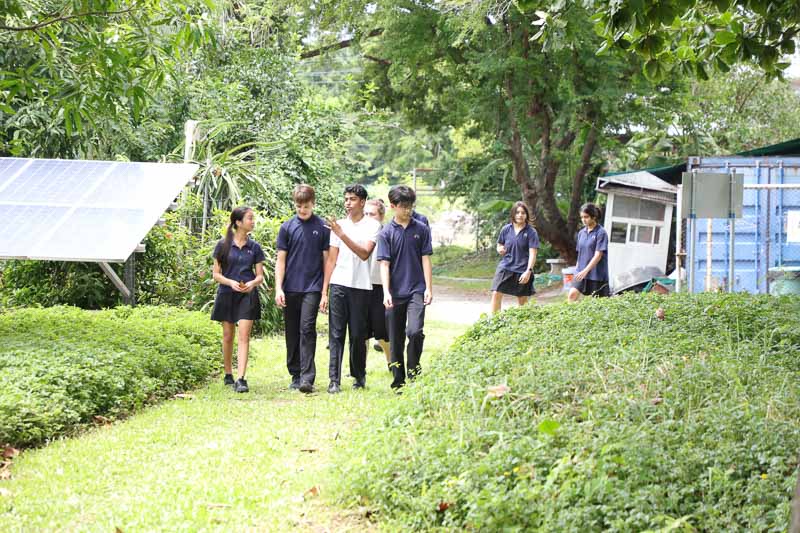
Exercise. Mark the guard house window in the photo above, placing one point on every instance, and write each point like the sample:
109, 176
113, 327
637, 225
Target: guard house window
619, 232
628, 207
644, 234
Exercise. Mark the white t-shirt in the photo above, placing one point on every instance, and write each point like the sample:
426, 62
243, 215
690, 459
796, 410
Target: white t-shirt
350, 270
375, 267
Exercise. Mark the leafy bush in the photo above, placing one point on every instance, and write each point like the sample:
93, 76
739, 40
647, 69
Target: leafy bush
61, 366
597, 416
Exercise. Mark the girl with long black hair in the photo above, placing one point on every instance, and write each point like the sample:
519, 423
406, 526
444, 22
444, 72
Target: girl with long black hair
591, 272
239, 270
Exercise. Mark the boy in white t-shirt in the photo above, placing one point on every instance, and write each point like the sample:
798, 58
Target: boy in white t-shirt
347, 273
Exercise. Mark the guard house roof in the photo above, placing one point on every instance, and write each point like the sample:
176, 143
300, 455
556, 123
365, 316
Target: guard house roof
672, 174
640, 184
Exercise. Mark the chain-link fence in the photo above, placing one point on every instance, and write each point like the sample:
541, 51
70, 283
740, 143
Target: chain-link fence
766, 240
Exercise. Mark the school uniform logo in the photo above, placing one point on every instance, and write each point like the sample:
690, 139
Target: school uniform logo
416, 236
315, 233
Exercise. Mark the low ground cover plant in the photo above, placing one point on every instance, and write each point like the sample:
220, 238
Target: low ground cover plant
60, 367
605, 415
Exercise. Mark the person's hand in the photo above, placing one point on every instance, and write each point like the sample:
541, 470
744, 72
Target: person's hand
524, 278
427, 298
233, 284
580, 275
250, 286
387, 301
280, 298
323, 304
335, 227
501, 249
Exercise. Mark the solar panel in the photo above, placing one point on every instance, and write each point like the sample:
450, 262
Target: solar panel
82, 210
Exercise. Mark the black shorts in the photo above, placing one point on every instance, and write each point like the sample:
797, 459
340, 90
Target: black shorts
235, 306
591, 287
507, 282
377, 315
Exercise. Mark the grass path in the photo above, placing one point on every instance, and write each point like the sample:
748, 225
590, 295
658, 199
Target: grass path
213, 461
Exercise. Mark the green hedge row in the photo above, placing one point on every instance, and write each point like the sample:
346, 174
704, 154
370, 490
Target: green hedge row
61, 366
612, 420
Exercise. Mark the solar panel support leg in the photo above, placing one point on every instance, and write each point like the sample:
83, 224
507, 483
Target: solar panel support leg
118, 283
130, 279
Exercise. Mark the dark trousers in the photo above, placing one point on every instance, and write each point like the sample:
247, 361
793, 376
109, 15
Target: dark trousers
406, 318
300, 319
347, 312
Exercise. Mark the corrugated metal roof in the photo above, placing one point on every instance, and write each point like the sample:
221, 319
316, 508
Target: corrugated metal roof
655, 196
672, 174
641, 179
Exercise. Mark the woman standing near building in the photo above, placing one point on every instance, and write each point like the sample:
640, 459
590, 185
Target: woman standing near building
239, 270
518, 244
591, 273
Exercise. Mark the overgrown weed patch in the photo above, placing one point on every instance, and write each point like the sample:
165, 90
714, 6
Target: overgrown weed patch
597, 416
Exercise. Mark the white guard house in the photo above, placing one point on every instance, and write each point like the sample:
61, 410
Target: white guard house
638, 220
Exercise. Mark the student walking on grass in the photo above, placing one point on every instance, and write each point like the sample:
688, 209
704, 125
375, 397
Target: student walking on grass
239, 270
518, 244
348, 275
591, 277
377, 313
303, 243
404, 250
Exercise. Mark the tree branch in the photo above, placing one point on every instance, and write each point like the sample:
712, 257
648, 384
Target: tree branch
580, 174
337, 46
63, 18
385, 62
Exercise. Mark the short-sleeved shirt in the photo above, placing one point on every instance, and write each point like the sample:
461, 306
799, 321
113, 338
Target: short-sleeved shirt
350, 270
590, 242
404, 248
304, 241
241, 262
420, 218
517, 247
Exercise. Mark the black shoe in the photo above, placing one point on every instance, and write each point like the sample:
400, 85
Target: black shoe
333, 388
229, 380
377, 346
295, 384
241, 385
306, 387
359, 383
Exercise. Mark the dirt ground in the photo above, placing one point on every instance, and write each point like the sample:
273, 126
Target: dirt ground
452, 304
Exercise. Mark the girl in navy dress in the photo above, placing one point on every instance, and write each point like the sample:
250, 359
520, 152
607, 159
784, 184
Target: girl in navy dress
591, 273
239, 270
518, 244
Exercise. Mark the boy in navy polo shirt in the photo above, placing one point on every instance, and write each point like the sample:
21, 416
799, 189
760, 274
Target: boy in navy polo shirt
404, 249
303, 244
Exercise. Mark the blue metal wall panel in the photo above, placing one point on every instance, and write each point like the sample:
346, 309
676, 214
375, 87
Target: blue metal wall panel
760, 240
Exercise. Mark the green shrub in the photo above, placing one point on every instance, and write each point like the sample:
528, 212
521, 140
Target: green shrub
614, 420
61, 366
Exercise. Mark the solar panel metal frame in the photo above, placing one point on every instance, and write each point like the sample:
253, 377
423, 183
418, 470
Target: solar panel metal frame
163, 182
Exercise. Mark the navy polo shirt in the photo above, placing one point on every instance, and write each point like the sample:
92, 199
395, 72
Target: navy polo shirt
404, 248
303, 241
517, 247
590, 242
420, 218
241, 261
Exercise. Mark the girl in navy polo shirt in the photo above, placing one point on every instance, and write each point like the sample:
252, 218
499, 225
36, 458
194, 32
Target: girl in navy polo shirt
591, 273
239, 270
518, 244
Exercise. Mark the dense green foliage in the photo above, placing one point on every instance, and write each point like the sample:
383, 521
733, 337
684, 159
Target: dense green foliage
611, 420
175, 269
62, 366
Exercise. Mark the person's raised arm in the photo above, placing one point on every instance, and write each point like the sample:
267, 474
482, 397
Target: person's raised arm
363, 251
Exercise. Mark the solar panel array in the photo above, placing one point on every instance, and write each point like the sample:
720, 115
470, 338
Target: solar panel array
99, 211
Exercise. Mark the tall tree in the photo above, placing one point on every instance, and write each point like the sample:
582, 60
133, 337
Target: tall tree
475, 66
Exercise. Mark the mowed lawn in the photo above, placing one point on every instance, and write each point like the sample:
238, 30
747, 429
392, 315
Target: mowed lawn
213, 460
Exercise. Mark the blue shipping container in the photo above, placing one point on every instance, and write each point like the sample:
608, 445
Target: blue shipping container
761, 235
